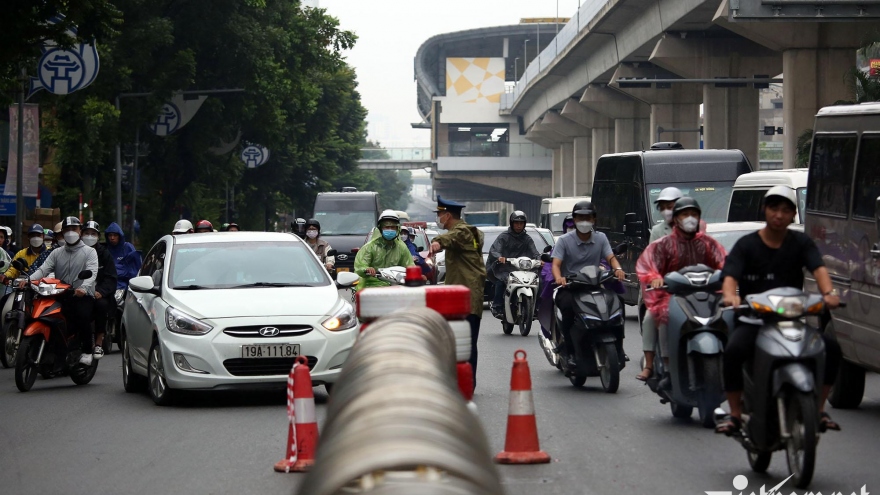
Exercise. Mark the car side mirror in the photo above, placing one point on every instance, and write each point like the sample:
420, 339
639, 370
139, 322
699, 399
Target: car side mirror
332, 252
632, 226
84, 275
620, 249
546, 258
144, 283
346, 279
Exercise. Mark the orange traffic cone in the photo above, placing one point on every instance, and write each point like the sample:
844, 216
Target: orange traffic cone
521, 445
302, 428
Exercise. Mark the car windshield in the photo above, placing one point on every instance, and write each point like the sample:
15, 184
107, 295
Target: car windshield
420, 240
346, 222
729, 238
713, 197
489, 238
224, 265
556, 220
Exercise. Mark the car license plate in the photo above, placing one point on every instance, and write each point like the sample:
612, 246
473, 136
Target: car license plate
270, 351
343, 269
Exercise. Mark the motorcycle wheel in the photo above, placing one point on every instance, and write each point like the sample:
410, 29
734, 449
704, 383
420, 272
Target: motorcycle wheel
680, 411
7, 339
158, 385
25, 367
578, 380
82, 375
507, 328
710, 373
131, 381
525, 318
759, 461
610, 373
801, 421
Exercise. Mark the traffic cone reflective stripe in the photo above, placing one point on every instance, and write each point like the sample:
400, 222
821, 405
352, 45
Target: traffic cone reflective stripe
521, 445
302, 437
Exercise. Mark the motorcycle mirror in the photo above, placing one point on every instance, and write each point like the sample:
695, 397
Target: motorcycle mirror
621, 248
547, 249
546, 258
20, 264
85, 274
332, 252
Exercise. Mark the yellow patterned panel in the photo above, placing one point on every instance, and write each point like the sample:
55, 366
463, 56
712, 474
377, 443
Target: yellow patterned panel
475, 80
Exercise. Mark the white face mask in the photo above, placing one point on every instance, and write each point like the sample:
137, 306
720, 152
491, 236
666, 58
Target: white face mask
667, 215
689, 224
36, 241
312, 234
90, 240
584, 227
71, 237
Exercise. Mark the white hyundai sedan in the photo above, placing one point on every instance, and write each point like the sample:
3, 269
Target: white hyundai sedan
231, 310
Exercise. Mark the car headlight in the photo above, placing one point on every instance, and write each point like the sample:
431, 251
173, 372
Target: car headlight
342, 320
179, 322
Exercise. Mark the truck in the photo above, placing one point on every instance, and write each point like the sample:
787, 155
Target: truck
483, 218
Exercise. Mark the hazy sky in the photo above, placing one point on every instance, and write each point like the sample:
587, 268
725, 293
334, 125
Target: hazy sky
389, 34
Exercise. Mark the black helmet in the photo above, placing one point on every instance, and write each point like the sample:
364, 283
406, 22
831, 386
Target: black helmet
299, 226
684, 203
70, 222
313, 223
518, 216
583, 208
91, 224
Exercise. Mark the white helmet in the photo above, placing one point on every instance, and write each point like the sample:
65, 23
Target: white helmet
669, 194
388, 215
182, 227
782, 192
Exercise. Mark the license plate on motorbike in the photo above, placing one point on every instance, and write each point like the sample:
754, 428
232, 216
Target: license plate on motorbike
269, 351
343, 270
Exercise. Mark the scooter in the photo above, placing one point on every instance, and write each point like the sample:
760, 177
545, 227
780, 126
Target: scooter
13, 317
114, 320
520, 296
697, 334
394, 275
48, 346
783, 382
597, 333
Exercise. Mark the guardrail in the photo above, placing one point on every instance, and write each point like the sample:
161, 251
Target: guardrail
492, 149
397, 423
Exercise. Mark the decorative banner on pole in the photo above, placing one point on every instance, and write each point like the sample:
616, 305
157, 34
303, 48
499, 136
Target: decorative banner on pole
30, 179
255, 155
874, 66
63, 71
176, 114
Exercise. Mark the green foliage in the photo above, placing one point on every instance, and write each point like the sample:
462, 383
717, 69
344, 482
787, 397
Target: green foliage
804, 143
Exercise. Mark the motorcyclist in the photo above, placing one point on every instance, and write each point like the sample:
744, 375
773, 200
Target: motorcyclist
57, 237
299, 227
48, 238
685, 246
382, 251
573, 251
183, 227
665, 203
67, 263
513, 243
230, 227
772, 257
5, 242
318, 245
407, 234
125, 256
204, 226
31, 253
105, 284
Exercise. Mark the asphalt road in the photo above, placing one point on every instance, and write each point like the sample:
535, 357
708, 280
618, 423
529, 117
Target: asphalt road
60, 438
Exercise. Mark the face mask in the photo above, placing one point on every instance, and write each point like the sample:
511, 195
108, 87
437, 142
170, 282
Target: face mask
312, 234
584, 227
36, 241
90, 240
404, 237
439, 222
667, 215
71, 237
689, 224
389, 234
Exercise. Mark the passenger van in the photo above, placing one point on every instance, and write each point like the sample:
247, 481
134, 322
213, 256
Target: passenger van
346, 218
626, 184
747, 199
554, 211
843, 217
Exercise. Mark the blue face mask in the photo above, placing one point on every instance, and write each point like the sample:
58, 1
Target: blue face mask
389, 234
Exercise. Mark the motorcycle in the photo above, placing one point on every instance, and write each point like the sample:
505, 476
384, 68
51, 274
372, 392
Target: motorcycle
394, 275
697, 334
14, 309
114, 320
783, 382
520, 296
48, 346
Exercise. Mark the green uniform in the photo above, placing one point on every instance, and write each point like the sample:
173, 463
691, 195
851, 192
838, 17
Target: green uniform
379, 253
464, 261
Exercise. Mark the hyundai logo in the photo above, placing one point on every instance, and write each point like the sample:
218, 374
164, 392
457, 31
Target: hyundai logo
342, 257
269, 331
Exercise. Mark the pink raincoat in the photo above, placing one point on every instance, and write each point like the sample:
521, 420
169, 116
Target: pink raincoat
670, 254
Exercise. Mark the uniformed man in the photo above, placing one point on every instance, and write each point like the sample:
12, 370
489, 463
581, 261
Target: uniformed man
464, 262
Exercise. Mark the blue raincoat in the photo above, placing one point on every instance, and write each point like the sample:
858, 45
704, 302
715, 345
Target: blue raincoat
128, 261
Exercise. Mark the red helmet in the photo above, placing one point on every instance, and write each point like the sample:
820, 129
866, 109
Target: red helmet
203, 225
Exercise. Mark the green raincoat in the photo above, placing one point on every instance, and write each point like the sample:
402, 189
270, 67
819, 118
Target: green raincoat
379, 253
464, 261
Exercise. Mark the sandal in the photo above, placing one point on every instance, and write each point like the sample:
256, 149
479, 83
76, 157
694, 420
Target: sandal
729, 426
643, 376
826, 423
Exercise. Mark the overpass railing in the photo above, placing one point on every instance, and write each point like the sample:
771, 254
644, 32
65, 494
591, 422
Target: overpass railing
478, 149
392, 154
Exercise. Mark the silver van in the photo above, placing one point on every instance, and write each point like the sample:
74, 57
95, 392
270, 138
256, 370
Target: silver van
843, 217
747, 198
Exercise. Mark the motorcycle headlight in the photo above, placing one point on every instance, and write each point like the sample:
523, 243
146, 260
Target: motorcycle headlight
48, 290
790, 307
525, 264
513, 279
179, 322
342, 320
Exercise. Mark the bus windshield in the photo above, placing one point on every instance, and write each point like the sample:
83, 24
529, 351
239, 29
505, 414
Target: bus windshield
713, 197
346, 222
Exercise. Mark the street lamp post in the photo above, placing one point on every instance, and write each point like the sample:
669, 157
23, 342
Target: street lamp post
515, 67
19, 162
525, 54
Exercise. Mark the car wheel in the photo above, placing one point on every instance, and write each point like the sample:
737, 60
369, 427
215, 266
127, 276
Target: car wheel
158, 387
131, 381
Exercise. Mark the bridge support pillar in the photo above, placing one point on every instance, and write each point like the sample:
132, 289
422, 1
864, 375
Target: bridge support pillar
632, 135
584, 166
730, 120
566, 186
603, 142
632, 125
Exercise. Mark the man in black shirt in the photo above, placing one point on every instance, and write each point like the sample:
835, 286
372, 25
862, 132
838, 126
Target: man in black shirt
769, 258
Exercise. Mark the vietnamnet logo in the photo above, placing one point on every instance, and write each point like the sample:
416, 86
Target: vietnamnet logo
741, 483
